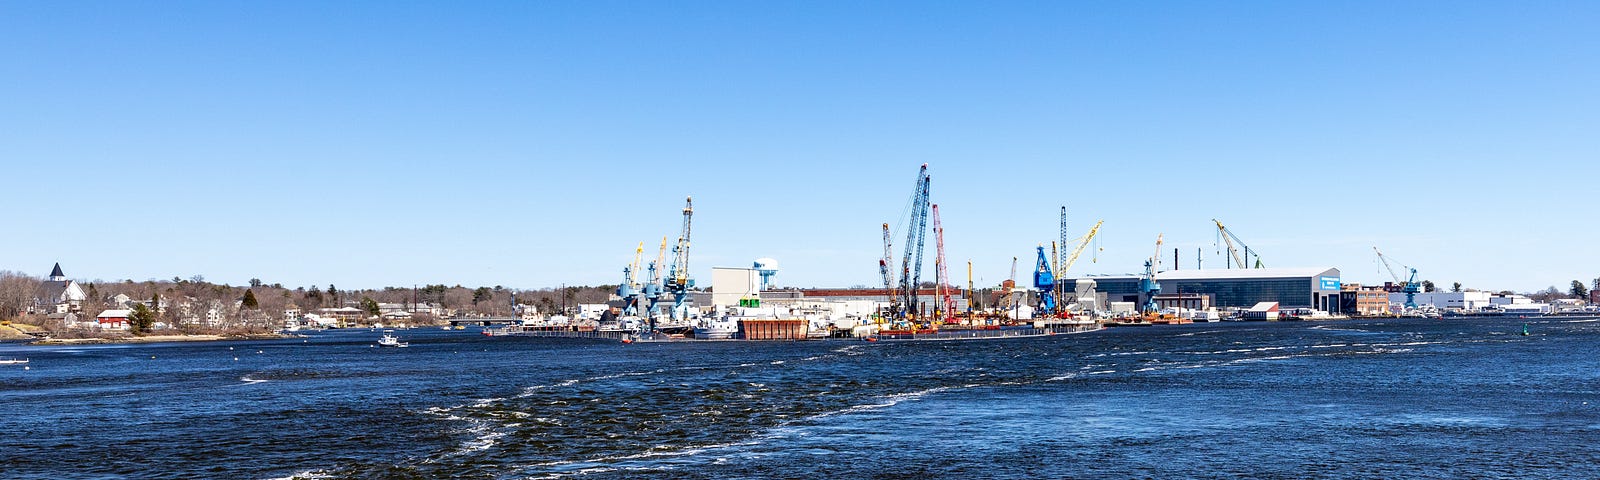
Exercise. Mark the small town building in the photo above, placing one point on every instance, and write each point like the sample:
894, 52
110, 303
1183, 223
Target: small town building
116, 319
1262, 311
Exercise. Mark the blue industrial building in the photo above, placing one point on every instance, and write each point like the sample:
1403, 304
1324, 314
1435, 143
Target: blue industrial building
1316, 288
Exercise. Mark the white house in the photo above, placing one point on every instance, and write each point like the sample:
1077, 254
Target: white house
58, 294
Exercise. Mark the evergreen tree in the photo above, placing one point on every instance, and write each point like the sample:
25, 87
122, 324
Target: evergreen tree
370, 306
1456, 287
250, 300
141, 319
1578, 290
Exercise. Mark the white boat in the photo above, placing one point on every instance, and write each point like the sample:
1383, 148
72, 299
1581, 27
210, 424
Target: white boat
391, 341
13, 362
724, 321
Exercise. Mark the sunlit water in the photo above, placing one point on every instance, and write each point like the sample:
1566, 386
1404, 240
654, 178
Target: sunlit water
1374, 399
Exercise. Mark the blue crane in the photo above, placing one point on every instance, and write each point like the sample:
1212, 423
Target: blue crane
678, 280
911, 273
1147, 283
1045, 281
1410, 287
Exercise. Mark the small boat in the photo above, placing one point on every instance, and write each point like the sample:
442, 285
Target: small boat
391, 341
13, 362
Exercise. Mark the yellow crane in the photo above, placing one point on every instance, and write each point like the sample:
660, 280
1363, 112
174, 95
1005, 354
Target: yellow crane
1233, 250
1083, 242
638, 256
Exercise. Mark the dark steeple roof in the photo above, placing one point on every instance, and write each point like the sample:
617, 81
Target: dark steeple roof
57, 271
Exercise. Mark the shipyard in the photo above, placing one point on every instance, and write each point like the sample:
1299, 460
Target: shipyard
658, 300
791, 240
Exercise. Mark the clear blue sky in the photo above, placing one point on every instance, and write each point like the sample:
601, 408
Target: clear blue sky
531, 144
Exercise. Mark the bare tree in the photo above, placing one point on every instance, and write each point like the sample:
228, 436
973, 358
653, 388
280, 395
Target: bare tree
16, 293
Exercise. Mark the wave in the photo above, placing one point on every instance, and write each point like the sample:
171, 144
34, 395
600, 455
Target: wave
306, 475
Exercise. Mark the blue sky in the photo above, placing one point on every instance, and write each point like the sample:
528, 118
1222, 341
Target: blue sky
531, 144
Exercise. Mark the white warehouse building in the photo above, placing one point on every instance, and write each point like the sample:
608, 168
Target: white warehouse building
1464, 301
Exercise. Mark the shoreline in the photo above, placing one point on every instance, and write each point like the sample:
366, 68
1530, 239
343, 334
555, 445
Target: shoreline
159, 339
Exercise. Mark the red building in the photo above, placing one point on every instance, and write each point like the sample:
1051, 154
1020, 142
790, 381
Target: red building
114, 319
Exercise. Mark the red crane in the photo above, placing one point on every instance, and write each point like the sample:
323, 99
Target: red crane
943, 272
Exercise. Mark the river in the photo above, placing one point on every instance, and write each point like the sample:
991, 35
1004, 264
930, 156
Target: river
1411, 398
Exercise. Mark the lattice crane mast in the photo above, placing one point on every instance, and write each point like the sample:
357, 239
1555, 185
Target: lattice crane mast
947, 305
1234, 244
886, 268
911, 274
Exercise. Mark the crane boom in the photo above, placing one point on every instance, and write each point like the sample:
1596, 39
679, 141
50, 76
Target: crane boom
1083, 242
886, 268
1409, 286
941, 271
638, 256
914, 240
1234, 244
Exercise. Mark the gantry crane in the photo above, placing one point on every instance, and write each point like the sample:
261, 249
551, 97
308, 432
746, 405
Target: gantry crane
629, 288
678, 279
1045, 281
1408, 286
1233, 251
1147, 284
652, 286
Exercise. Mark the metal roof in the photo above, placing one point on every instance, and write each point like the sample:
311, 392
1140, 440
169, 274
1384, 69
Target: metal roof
1226, 274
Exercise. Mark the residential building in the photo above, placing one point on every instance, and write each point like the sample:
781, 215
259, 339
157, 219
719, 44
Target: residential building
58, 294
116, 319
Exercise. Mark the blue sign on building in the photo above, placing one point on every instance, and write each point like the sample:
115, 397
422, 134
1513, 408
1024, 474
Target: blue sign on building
1329, 283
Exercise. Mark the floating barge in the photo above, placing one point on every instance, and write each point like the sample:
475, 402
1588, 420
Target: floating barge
1018, 331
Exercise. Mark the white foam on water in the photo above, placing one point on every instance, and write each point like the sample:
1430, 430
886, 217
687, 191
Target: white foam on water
249, 381
306, 475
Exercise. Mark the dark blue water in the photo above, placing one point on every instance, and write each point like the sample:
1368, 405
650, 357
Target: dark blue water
1373, 399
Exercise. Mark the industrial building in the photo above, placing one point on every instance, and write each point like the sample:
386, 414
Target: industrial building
1460, 301
1316, 288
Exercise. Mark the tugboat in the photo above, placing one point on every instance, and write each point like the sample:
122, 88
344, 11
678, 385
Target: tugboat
392, 341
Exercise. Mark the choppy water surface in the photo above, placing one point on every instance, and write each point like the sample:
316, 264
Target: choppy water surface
1376, 399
